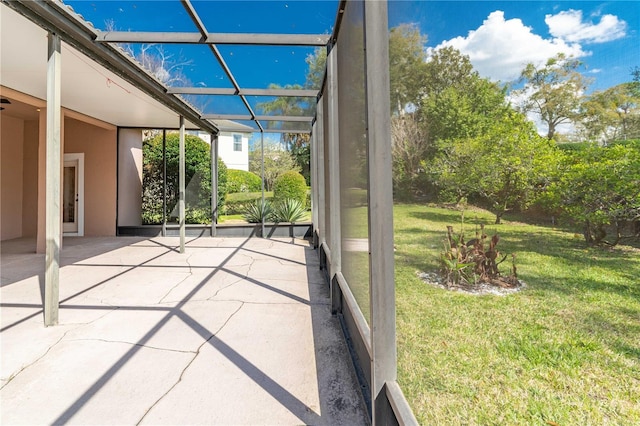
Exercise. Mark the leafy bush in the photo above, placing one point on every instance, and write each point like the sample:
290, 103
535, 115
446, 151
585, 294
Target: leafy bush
290, 184
197, 174
599, 187
288, 210
242, 181
198, 216
256, 211
223, 177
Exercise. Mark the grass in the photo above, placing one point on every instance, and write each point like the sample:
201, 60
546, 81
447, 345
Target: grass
565, 350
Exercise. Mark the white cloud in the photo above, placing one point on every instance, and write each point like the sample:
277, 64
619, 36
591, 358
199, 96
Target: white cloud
567, 25
499, 49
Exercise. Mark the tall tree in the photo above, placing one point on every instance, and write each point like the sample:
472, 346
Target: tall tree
553, 91
610, 114
406, 65
445, 68
505, 166
316, 67
407, 151
457, 104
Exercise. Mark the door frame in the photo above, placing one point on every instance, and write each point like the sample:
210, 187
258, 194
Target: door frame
79, 157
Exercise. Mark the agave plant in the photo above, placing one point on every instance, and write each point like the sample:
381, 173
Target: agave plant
288, 210
257, 210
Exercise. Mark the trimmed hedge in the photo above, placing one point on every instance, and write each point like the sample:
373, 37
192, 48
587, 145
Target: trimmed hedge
290, 184
236, 203
242, 181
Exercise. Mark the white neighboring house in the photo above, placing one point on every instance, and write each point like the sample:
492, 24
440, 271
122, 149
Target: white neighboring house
233, 143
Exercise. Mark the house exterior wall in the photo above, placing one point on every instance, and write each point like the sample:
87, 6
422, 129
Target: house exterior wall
238, 160
130, 177
99, 148
30, 179
11, 157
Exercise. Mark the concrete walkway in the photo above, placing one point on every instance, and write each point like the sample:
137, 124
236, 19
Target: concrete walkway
234, 331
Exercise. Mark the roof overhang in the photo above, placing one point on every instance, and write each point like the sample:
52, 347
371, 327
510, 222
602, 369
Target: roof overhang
98, 80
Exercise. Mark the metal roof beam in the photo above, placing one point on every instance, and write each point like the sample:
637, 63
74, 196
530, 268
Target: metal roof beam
297, 131
302, 93
288, 118
213, 38
214, 49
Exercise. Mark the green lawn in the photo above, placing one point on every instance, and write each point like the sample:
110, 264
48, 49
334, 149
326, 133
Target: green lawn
565, 350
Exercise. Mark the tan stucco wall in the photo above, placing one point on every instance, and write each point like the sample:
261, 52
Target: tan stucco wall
30, 180
42, 180
11, 160
99, 148
130, 177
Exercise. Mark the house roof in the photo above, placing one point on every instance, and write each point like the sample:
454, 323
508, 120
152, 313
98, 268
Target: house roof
233, 126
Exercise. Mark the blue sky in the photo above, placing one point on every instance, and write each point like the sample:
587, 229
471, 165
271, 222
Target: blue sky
500, 37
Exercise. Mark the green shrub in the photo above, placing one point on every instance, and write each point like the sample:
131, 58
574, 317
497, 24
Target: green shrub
257, 210
197, 216
197, 193
242, 181
223, 178
288, 210
290, 184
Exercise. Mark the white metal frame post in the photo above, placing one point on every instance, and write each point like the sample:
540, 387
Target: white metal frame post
214, 184
333, 157
53, 169
181, 184
381, 265
313, 165
262, 178
319, 140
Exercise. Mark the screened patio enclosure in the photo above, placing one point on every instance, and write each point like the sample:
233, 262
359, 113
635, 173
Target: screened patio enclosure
347, 117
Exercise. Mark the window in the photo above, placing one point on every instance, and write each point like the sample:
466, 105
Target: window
237, 143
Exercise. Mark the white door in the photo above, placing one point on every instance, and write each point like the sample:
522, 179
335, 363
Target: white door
72, 195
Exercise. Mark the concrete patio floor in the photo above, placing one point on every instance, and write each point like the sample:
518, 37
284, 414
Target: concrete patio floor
234, 331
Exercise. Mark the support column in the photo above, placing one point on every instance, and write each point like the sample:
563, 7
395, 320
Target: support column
320, 181
214, 183
333, 159
262, 176
164, 182
181, 184
381, 281
53, 166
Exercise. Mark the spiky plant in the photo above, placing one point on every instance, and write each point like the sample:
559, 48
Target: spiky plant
258, 210
288, 210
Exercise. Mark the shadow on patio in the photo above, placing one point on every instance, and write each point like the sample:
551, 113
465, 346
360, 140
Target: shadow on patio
234, 331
